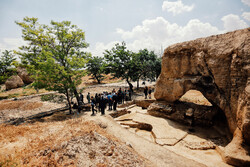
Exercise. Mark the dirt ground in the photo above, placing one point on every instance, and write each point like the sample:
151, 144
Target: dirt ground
84, 140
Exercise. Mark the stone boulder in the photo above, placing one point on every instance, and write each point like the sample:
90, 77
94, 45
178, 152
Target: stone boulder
219, 67
23, 74
119, 113
13, 82
144, 103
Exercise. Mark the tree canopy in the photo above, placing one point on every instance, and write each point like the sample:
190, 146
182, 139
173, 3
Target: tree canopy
54, 55
131, 66
95, 68
119, 60
6, 61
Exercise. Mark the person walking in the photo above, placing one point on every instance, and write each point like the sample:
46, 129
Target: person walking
103, 102
130, 94
81, 97
149, 92
119, 95
115, 100
123, 96
110, 101
88, 97
93, 101
146, 92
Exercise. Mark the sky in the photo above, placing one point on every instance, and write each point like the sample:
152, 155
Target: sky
151, 24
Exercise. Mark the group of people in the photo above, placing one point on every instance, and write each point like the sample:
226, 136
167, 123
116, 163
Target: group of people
101, 100
147, 92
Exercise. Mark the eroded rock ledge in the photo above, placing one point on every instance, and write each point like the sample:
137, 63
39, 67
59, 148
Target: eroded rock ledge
219, 67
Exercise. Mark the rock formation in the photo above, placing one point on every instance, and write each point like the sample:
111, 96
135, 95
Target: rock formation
219, 67
18, 80
23, 74
13, 82
144, 103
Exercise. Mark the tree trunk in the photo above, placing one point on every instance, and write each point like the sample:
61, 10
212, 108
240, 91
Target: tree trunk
75, 93
69, 102
98, 80
138, 84
130, 85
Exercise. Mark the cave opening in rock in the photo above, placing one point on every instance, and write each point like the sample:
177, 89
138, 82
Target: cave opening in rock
204, 113
196, 97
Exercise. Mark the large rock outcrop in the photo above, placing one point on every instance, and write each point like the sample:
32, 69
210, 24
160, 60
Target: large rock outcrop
13, 82
23, 74
219, 67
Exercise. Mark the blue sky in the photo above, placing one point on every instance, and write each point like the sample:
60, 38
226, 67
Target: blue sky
152, 24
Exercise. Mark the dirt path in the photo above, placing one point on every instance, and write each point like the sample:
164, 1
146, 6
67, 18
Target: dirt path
158, 155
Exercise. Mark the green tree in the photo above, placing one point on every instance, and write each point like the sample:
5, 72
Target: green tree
95, 68
54, 55
119, 62
6, 61
146, 65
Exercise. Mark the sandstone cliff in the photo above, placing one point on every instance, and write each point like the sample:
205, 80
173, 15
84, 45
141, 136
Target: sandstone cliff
219, 67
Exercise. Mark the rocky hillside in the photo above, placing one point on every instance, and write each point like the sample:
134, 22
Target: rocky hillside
219, 67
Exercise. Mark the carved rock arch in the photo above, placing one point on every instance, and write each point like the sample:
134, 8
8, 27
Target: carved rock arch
219, 67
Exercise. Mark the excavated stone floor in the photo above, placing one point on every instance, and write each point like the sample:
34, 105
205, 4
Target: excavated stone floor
197, 143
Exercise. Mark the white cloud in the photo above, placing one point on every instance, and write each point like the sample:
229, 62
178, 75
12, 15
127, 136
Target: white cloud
154, 33
247, 2
100, 47
176, 7
11, 43
233, 22
246, 15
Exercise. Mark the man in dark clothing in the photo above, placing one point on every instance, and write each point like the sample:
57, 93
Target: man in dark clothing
146, 92
131, 87
88, 97
81, 97
149, 92
115, 100
102, 104
98, 97
110, 101
93, 101
119, 96
123, 96
130, 94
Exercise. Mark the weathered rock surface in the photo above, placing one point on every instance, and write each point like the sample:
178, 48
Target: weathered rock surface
219, 67
13, 82
144, 103
119, 113
139, 125
23, 74
187, 113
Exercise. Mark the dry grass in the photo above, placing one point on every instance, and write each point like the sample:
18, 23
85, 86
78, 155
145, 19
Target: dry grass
87, 81
21, 144
21, 105
19, 92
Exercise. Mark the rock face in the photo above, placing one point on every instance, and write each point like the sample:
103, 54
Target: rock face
23, 74
13, 82
218, 67
144, 103
187, 113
